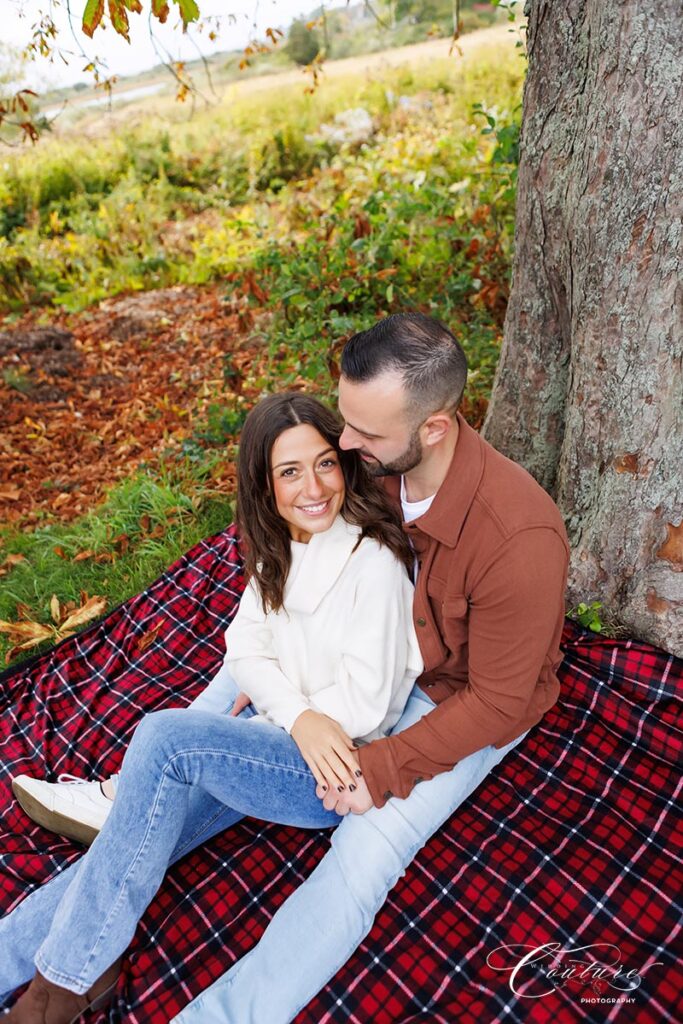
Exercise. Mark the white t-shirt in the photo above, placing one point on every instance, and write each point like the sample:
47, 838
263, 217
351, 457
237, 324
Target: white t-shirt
413, 510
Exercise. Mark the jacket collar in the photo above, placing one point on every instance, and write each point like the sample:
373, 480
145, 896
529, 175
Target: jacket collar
445, 517
322, 564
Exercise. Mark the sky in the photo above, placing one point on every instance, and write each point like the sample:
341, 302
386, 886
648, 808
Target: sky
236, 27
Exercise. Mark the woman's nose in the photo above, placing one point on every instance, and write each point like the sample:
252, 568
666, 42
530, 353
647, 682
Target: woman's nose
313, 487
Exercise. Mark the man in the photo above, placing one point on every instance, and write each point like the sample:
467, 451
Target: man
491, 564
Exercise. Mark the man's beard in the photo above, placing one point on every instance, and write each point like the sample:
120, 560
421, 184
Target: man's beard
410, 458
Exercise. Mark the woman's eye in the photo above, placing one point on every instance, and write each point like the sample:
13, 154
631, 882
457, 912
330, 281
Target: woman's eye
327, 463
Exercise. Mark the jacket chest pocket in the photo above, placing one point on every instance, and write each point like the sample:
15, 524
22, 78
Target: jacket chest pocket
455, 612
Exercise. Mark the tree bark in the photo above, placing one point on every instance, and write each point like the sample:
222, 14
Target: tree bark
588, 394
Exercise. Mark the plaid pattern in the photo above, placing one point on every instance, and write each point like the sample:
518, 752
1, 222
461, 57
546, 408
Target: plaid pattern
571, 841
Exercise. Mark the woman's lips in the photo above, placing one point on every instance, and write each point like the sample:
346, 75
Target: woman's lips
314, 510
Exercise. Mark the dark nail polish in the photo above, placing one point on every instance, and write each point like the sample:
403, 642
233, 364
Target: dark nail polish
352, 789
358, 773
340, 788
325, 788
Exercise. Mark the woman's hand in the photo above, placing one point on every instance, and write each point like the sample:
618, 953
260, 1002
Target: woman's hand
241, 702
346, 802
327, 750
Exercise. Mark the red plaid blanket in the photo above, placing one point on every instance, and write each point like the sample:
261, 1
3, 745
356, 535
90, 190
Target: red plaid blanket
547, 895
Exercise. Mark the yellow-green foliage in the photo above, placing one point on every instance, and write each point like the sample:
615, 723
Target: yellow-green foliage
157, 204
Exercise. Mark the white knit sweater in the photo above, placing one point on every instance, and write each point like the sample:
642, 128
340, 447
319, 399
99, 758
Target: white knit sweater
343, 644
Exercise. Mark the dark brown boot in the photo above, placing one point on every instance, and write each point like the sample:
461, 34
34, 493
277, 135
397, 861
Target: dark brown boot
43, 1002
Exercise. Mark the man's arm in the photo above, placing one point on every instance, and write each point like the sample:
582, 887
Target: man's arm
516, 609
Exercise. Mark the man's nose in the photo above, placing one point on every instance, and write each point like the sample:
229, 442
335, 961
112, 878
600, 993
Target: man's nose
347, 440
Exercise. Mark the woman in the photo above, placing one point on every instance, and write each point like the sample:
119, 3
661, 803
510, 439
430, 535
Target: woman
323, 644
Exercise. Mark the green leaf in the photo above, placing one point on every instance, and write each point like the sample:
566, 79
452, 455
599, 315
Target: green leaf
390, 293
92, 16
188, 11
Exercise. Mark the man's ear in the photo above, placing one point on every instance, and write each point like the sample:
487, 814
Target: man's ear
436, 427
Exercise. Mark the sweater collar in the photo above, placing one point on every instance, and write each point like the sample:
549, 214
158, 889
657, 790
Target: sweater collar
322, 564
444, 519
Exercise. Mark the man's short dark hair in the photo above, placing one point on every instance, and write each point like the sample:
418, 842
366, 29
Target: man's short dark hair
422, 350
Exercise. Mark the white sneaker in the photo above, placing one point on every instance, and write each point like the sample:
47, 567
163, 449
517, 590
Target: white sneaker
70, 807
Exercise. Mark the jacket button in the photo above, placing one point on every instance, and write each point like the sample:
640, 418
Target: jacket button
388, 795
421, 622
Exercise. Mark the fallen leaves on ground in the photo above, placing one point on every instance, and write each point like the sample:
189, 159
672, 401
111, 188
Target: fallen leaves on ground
83, 403
66, 618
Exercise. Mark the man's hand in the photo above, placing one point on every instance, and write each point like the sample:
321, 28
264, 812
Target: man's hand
326, 749
357, 802
241, 702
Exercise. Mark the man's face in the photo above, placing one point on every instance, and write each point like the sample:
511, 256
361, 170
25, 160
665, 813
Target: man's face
377, 425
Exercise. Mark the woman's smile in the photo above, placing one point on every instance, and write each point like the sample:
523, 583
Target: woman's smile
314, 510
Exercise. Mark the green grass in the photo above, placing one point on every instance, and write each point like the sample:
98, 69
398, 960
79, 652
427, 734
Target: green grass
44, 573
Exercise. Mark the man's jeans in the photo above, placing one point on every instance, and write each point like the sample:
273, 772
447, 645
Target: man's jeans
185, 778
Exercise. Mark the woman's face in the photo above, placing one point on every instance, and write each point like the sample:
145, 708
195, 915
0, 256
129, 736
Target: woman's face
308, 482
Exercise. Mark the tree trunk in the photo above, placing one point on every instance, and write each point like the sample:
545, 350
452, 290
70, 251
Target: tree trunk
588, 394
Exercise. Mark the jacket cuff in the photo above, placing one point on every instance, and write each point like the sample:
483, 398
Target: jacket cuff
380, 773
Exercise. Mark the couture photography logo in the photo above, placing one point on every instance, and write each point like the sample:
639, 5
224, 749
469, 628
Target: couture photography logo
596, 973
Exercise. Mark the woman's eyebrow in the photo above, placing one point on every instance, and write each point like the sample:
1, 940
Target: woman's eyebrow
297, 462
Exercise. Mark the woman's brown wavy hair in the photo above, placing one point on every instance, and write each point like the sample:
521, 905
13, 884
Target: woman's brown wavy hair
264, 533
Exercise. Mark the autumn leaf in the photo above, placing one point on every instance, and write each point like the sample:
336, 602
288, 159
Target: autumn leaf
29, 633
82, 555
160, 10
92, 608
60, 553
9, 492
148, 638
10, 562
55, 610
92, 16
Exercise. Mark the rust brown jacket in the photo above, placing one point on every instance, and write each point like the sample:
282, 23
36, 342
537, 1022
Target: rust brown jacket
488, 610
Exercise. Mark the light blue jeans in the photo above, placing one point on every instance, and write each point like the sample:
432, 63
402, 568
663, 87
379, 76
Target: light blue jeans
324, 921
186, 777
